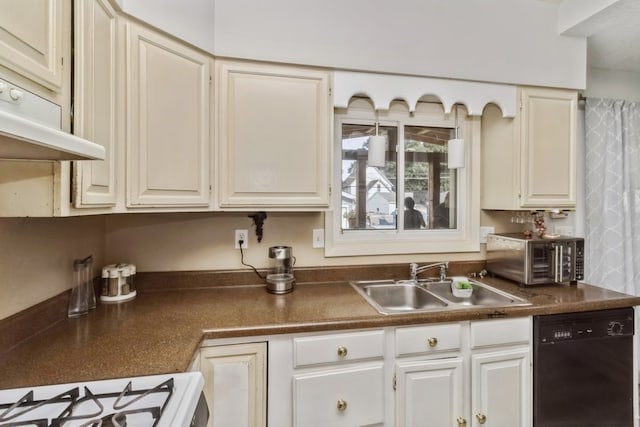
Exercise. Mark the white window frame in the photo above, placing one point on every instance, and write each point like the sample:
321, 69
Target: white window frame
464, 238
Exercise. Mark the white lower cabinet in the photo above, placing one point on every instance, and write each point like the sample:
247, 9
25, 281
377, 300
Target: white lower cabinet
501, 380
428, 392
464, 374
350, 397
500, 387
457, 374
235, 381
338, 379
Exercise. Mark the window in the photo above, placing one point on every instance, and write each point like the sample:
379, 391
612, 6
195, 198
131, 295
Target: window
371, 195
414, 203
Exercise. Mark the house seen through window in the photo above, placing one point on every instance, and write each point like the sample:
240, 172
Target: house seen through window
414, 190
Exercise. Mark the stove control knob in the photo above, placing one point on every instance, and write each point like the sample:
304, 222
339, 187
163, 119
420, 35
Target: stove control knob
615, 328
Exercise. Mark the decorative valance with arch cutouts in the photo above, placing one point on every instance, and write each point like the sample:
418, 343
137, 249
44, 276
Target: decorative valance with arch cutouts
382, 89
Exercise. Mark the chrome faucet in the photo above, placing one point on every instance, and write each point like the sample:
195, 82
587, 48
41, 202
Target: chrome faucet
415, 270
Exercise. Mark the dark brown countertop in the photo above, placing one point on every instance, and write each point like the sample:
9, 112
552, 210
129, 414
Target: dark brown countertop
160, 331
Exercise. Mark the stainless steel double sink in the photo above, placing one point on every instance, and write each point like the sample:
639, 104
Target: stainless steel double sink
409, 296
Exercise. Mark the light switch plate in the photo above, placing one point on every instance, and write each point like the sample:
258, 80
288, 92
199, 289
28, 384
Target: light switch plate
484, 231
318, 238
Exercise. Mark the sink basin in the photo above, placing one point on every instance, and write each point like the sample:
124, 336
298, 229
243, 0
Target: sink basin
483, 295
406, 296
391, 297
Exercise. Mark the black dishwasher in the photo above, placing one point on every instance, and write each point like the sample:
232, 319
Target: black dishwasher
583, 369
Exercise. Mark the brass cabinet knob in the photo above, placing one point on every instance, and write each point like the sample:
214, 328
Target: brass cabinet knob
342, 405
342, 351
481, 418
433, 341
461, 422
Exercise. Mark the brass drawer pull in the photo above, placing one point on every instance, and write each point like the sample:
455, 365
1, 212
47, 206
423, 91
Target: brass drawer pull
342, 351
481, 418
433, 341
461, 422
342, 405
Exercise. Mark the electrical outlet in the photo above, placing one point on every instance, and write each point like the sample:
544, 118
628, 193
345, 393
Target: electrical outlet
484, 231
244, 236
318, 238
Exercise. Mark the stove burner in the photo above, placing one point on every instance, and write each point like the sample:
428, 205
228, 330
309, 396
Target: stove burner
89, 410
117, 420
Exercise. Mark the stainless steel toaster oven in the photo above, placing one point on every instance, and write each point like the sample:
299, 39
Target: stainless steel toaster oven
536, 261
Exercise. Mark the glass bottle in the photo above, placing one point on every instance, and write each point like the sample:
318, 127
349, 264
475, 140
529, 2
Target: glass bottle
78, 302
88, 280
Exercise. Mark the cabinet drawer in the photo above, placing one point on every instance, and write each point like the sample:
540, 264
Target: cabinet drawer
337, 348
500, 332
339, 398
428, 339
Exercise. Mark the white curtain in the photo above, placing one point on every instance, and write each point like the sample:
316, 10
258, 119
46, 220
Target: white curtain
612, 193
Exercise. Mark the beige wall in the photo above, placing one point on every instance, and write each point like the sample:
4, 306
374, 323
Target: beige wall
37, 257
204, 241
162, 242
37, 253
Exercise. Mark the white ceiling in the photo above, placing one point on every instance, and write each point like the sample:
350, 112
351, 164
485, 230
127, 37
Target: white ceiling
616, 45
612, 29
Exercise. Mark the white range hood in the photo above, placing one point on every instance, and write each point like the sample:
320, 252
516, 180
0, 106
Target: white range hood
30, 129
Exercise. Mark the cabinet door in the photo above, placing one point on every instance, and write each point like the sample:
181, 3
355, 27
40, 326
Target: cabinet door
351, 397
429, 393
95, 100
31, 39
168, 138
274, 124
235, 380
501, 388
548, 135
530, 161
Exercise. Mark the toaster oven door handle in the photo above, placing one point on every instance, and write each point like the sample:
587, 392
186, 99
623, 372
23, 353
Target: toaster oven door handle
559, 256
556, 263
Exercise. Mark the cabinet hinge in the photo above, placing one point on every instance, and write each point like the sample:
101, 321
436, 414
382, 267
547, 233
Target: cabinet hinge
210, 79
395, 382
329, 191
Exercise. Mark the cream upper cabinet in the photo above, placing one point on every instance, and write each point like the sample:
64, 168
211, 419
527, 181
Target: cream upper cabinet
168, 121
95, 100
529, 162
274, 127
32, 40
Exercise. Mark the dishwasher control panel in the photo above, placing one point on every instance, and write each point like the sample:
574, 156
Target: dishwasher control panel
577, 326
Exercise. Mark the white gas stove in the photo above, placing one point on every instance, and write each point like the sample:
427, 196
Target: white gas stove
174, 400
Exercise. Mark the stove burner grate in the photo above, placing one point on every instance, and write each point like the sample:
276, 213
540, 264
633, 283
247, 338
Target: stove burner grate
88, 410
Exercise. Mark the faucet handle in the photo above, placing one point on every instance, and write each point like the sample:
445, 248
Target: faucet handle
413, 271
443, 272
